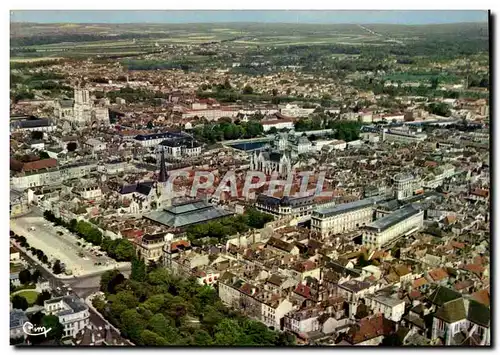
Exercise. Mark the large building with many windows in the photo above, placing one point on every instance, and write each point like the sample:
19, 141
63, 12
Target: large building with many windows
343, 218
388, 228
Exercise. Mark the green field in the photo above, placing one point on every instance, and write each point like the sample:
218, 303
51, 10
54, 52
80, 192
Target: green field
30, 296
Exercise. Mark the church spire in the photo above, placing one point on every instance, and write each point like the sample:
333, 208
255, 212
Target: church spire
163, 169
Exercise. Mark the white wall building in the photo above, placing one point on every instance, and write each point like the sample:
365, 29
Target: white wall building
72, 312
278, 124
343, 218
392, 308
392, 226
404, 185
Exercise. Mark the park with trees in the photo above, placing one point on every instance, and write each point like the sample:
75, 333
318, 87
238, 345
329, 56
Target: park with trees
156, 308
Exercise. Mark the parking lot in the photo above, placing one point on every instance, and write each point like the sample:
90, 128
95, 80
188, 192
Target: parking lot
59, 243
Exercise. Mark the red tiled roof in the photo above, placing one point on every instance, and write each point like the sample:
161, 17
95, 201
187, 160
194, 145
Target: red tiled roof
474, 268
419, 282
16, 165
463, 284
438, 274
177, 244
481, 192
482, 296
303, 290
369, 328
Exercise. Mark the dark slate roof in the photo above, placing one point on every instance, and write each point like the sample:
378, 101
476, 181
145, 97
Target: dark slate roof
442, 295
144, 188
42, 122
280, 244
479, 314
66, 103
344, 207
128, 189
452, 311
275, 280
393, 218
180, 142
268, 200
185, 214
355, 285
17, 318
75, 304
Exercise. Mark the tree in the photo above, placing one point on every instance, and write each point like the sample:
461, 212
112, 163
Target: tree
362, 261
150, 125
42, 297
247, 90
57, 268
36, 135
201, 338
440, 109
25, 276
272, 130
138, 270
110, 279
71, 146
44, 155
434, 83
285, 339
56, 328
161, 326
19, 302
35, 276
228, 333
150, 338
125, 250
132, 325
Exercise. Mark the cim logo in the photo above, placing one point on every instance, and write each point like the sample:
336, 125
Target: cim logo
30, 329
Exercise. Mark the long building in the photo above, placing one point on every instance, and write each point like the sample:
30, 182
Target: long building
392, 226
188, 213
289, 206
343, 218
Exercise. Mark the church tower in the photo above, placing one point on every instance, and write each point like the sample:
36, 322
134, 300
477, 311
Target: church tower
162, 188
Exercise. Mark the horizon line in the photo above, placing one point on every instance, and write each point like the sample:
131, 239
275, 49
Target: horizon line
250, 22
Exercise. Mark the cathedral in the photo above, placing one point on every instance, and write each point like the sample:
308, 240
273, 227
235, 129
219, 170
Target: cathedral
269, 161
81, 111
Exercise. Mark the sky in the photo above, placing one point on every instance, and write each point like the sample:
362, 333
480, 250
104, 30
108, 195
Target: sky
415, 17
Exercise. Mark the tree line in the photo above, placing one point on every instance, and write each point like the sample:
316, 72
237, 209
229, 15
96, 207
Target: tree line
224, 130
118, 249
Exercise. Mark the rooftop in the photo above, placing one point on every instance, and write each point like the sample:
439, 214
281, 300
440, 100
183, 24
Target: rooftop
185, 214
393, 219
343, 208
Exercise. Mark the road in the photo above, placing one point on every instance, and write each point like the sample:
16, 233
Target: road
379, 35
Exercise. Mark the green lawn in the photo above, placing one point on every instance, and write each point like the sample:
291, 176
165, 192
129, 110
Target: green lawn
29, 295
